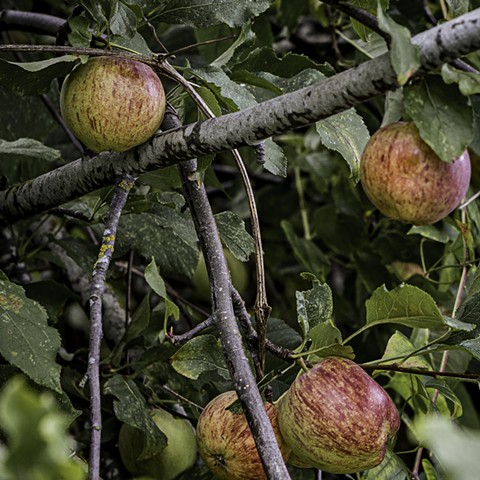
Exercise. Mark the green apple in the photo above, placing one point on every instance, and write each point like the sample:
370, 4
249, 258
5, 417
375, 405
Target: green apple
405, 179
179, 454
226, 443
238, 272
336, 418
112, 103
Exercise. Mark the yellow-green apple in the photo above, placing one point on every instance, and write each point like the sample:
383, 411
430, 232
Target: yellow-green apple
406, 180
112, 103
179, 454
225, 441
336, 418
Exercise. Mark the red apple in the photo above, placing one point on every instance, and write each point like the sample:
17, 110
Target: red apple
226, 443
336, 418
112, 103
406, 180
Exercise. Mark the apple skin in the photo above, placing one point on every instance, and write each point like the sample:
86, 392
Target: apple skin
405, 179
336, 418
179, 455
112, 103
226, 443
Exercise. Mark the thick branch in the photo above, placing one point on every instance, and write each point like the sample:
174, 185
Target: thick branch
281, 114
30, 22
224, 319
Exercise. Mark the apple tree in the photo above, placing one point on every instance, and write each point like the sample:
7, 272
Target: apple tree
240, 247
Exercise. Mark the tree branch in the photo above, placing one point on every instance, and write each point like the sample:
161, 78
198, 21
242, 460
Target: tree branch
30, 22
281, 114
224, 318
96, 331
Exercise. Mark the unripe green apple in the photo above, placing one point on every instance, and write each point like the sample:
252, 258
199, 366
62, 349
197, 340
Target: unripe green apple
238, 272
112, 103
406, 180
225, 441
337, 418
179, 454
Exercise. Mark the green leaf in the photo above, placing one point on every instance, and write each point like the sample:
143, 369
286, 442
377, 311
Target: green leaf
124, 22
280, 333
468, 340
156, 283
457, 8
199, 14
347, 134
33, 78
27, 148
370, 6
442, 115
231, 93
306, 252
404, 55
326, 341
140, 319
405, 305
210, 99
199, 355
265, 59
393, 107
38, 445
27, 341
233, 234
468, 82
431, 232
429, 470
314, 306
244, 41
166, 236
132, 409
20, 125
275, 159
455, 448
399, 347
392, 468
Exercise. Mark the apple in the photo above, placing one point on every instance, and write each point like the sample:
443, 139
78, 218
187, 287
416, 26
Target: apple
238, 272
225, 441
406, 180
112, 103
179, 454
336, 418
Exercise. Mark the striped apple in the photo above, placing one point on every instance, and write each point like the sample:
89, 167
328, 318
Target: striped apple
336, 418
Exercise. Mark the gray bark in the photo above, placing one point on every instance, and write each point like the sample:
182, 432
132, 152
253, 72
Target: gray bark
281, 114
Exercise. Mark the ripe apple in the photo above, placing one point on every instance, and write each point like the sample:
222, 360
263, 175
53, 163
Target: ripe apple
226, 443
337, 418
179, 454
405, 179
112, 103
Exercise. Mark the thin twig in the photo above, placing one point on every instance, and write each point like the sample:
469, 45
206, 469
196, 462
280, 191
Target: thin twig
418, 371
179, 340
96, 331
458, 298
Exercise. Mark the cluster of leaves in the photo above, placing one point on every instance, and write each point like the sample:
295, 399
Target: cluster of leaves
375, 290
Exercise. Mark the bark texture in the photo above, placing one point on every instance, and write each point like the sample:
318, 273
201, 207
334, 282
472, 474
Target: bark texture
281, 114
